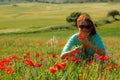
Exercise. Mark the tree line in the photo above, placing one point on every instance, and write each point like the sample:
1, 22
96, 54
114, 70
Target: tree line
57, 1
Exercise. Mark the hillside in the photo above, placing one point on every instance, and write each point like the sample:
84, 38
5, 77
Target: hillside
32, 17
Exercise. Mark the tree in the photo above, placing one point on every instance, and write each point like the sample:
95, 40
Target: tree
72, 18
113, 13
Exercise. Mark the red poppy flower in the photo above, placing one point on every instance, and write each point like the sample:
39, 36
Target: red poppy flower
4, 60
41, 59
104, 58
67, 57
10, 70
38, 65
27, 54
8, 62
29, 62
90, 62
53, 70
37, 55
77, 61
13, 56
64, 64
116, 65
2, 65
110, 66
73, 54
59, 66
73, 59
96, 55
80, 36
54, 55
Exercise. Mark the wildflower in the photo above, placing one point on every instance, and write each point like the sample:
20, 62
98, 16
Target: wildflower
8, 62
29, 62
73, 59
2, 65
41, 59
10, 70
13, 56
4, 60
37, 55
67, 57
54, 55
38, 65
96, 55
64, 64
77, 61
116, 65
80, 36
53, 70
110, 66
104, 58
24, 56
27, 54
46, 56
90, 62
73, 54
59, 66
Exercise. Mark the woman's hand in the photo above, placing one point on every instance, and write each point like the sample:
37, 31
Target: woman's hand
78, 49
85, 42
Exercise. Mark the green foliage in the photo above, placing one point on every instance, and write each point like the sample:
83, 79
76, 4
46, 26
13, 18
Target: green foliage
72, 18
113, 13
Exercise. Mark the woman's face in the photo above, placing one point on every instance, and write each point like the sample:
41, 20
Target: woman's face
84, 28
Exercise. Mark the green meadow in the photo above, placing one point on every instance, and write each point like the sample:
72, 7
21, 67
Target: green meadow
34, 16
26, 28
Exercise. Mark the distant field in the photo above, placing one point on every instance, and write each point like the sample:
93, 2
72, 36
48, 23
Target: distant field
34, 16
26, 16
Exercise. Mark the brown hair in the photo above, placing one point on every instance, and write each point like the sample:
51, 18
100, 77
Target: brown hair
86, 18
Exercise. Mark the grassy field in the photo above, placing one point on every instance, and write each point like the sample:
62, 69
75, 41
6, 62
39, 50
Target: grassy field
34, 16
27, 16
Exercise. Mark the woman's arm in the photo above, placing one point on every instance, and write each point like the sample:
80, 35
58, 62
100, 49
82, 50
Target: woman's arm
68, 53
96, 49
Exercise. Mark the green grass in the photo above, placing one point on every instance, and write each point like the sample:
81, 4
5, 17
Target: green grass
110, 30
37, 15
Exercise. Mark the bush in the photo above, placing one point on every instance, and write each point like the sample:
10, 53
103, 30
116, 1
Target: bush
113, 13
107, 21
72, 18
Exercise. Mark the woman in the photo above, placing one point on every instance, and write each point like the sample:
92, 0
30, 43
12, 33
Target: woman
91, 41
